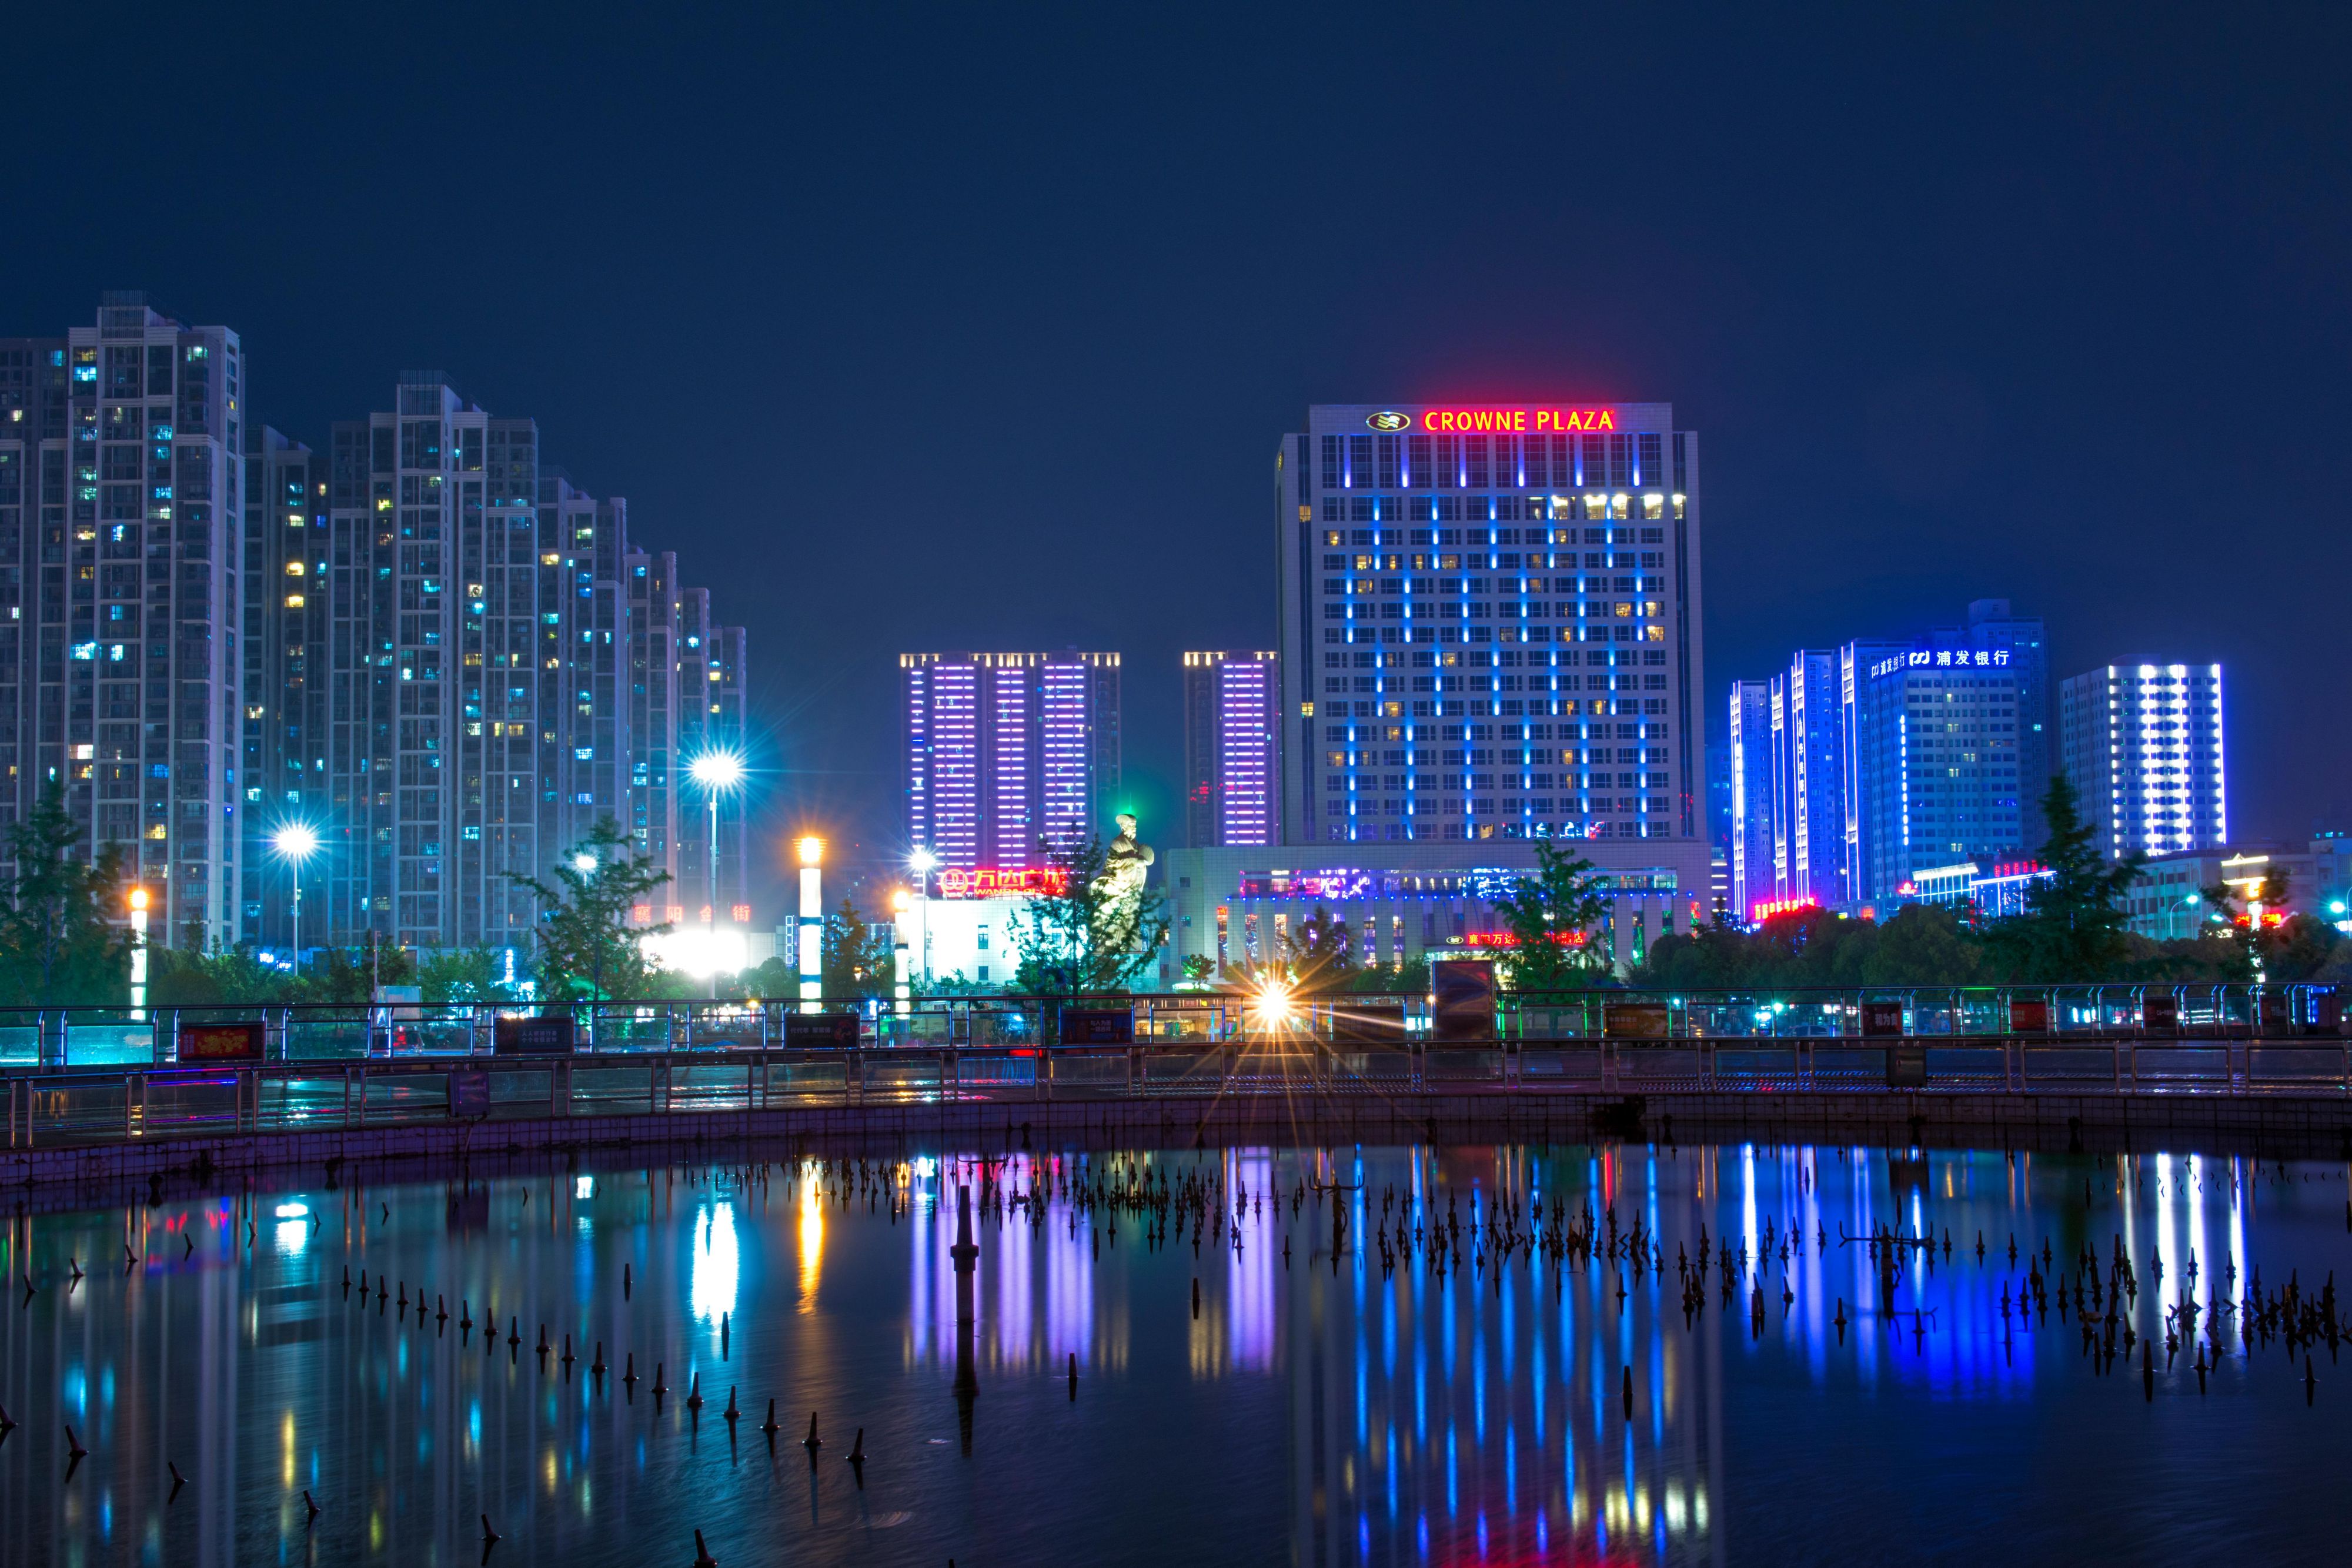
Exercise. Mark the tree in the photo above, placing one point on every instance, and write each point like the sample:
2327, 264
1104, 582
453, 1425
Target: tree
2072, 930
349, 975
1080, 935
858, 960
58, 939
179, 977
461, 975
1321, 956
588, 951
1553, 916
1923, 945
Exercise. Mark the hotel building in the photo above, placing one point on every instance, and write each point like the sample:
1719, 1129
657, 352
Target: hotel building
1233, 726
1489, 625
1488, 636
1004, 750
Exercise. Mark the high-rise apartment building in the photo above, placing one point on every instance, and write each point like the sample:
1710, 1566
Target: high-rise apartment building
2142, 746
121, 516
1006, 750
490, 638
1233, 726
657, 810
456, 650
1937, 738
1489, 625
1754, 880
287, 689
417, 644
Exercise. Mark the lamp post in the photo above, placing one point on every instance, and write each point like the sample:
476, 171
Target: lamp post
902, 1001
138, 953
718, 773
923, 862
812, 932
296, 843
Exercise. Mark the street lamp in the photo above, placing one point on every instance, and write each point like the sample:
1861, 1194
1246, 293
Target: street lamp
139, 953
812, 933
296, 843
900, 990
923, 862
718, 773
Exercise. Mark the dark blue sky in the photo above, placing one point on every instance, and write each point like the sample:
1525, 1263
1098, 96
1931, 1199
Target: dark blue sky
970, 327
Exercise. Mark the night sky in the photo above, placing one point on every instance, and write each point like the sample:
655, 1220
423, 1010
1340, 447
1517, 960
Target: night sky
978, 326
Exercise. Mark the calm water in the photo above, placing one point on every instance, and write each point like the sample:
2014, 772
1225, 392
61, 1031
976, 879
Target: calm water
1314, 1408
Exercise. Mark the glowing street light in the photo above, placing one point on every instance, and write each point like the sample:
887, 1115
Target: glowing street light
296, 843
718, 773
812, 932
902, 999
139, 953
922, 862
584, 864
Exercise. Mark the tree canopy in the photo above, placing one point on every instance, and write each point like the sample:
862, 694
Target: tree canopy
1080, 937
1555, 918
60, 942
588, 948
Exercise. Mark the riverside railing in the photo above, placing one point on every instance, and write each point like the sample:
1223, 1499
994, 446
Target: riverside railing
46, 1039
79, 1075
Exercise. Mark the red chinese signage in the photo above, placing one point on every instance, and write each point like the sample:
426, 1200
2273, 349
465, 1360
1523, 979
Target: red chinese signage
1008, 881
1505, 939
1766, 911
1513, 420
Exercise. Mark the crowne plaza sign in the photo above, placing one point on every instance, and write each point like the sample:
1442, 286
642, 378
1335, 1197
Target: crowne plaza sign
1497, 421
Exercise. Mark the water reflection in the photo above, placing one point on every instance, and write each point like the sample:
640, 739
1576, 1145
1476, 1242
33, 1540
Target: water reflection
1623, 1352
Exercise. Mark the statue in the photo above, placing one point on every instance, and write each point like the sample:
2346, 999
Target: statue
1125, 864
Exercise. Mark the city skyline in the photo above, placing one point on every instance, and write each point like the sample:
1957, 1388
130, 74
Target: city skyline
1896, 422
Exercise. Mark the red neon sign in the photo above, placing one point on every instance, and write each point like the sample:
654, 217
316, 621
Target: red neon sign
1509, 421
1505, 939
991, 881
1766, 911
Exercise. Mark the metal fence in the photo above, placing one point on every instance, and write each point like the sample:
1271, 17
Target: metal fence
77, 1076
43, 1039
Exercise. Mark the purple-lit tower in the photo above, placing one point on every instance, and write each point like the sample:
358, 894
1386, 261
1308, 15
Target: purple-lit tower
1003, 749
1232, 768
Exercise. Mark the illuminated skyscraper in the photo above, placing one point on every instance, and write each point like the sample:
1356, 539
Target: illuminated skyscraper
1004, 749
1231, 725
1490, 626
1809, 851
1937, 735
1753, 880
121, 512
2142, 746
